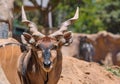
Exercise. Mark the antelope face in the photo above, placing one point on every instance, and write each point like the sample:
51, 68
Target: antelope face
46, 49
47, 53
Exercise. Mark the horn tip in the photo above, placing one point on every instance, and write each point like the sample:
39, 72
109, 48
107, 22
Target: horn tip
76, 13
22, 7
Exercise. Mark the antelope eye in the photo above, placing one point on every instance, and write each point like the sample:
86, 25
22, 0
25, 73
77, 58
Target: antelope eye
38, 47
54, 47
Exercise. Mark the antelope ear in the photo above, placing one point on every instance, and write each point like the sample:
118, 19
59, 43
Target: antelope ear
68, 38
28, 38
68, 35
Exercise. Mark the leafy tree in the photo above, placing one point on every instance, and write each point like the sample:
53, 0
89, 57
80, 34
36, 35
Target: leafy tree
95, 15
111, 16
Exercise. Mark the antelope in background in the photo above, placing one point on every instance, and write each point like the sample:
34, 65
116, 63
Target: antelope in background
41, 63
86, 49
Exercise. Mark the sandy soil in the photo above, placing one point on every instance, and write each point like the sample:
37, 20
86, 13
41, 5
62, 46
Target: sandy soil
80, 72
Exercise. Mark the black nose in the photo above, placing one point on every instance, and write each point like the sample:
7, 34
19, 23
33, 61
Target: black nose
46, 64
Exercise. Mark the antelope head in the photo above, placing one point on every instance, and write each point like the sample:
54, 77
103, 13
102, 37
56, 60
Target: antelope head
47, 46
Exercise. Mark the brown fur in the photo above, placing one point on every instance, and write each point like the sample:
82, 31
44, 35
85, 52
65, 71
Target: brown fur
8, 59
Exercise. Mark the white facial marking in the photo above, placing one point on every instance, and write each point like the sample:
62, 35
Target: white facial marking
33, 68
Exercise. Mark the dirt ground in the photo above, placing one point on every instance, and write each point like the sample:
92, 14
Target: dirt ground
80, 72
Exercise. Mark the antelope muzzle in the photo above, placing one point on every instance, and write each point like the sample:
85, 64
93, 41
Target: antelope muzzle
46, 56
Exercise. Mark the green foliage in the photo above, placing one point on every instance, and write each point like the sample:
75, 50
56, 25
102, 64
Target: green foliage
115, 71
18, 3
89, 20
111, 16
95, 15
